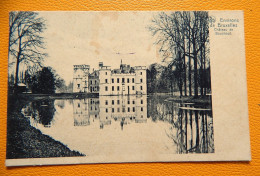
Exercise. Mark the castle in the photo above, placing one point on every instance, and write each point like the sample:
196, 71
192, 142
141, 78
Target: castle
106, 81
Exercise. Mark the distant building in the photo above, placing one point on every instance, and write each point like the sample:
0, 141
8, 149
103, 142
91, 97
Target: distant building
106, 81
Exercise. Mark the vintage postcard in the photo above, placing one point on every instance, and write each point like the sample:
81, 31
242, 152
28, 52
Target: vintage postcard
135, 86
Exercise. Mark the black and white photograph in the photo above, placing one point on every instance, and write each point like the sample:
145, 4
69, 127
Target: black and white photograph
100, 87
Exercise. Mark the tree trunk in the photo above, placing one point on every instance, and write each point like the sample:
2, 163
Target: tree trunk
184, 67
17, 65
190, 92
201, 71
180, 86
204, 65
194, 40
16, 74
195, 70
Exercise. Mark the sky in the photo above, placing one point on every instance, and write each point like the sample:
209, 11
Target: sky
90, 37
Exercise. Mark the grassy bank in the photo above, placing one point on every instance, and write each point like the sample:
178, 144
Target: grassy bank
29, 96
24, 141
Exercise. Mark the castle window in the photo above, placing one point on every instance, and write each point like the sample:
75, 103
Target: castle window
78, 85
106, 110
118, 101
123, 109
105, 81
141, 108
133, 102
133, 80
113, 102
141, 87
141, 80
118, 88
141, 101
128, 80
95, 81
141, 73
78, 105
118, 109
128, 102
128, 109
113, 110
117, 80
123, 80
106, 102
133, 109
106, 88
106, 73
112, 80
91, 82
112, 88
133, 88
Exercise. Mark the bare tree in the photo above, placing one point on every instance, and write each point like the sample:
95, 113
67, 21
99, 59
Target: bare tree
25, 41
182, 35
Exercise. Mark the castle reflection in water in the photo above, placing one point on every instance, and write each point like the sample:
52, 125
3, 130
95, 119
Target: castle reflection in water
125, 109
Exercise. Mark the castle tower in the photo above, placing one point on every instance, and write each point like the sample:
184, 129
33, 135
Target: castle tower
105, 80
140, 77
80, 78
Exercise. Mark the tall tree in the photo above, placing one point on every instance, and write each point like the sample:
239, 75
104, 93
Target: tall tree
45, 82
25, 41
181, 35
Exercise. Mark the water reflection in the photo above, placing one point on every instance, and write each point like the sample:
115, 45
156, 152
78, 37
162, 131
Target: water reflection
123, 109
81, 112
41, 111
126, 109
192, 124
149, 123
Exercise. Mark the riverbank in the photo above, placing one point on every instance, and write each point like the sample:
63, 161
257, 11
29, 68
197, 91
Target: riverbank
29, 96
24, 141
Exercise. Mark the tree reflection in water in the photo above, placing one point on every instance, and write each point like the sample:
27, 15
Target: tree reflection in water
41, 111
192, 124
189, 126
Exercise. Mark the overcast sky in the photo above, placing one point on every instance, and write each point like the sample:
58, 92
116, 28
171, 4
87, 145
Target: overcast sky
91, 37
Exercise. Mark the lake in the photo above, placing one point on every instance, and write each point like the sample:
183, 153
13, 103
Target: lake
125, 124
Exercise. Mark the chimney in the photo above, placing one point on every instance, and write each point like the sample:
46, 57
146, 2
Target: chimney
100, 65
